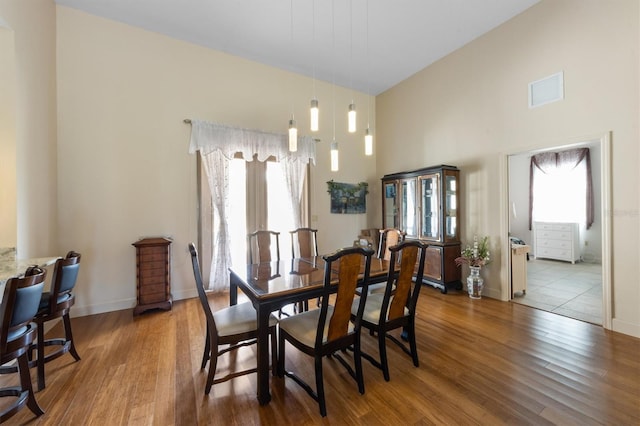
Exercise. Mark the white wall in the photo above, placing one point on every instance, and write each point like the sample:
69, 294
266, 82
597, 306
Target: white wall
34, 126
470, 110
8, 183
124, 167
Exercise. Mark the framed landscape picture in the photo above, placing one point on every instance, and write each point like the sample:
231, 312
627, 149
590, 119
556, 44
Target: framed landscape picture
348, 198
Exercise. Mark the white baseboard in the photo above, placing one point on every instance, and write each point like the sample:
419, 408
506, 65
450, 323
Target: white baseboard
625, 328
82, 311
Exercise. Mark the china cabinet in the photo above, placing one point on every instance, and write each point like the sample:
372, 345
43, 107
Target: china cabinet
424, 204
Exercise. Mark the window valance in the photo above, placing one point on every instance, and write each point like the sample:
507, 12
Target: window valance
207, 137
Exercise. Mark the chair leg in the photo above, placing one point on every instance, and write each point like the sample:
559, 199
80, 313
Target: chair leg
281, 344
382, 348
412, 343
213, 364
25, 384
274, 351
320, 386
69, 336
207, 350
357, 359
40, 361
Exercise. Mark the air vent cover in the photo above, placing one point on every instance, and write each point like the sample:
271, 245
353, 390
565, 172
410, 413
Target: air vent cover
546, 90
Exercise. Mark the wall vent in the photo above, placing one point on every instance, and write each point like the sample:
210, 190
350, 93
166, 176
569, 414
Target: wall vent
546, 90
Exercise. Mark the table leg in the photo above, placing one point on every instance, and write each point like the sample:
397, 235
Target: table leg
264, 395
233, 289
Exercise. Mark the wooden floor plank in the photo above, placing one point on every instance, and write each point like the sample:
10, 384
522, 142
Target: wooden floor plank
481, 362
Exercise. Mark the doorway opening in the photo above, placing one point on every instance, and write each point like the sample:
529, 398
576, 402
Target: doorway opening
579, 289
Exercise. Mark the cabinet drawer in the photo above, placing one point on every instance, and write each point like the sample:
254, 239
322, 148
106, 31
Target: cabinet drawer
152, 272
550, 226
563, 244
160, 264
554, 253
150, 288
150, 280
152, 256
554, 235
148, 298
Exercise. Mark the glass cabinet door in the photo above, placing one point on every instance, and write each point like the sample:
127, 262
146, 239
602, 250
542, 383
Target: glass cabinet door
408, 207
429, 198
450, 206
389, 205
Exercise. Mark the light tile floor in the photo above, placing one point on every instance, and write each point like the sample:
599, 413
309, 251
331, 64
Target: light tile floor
573, 291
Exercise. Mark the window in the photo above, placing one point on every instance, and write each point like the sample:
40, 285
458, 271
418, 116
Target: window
218, 145
560, 187
559, 195
244, 195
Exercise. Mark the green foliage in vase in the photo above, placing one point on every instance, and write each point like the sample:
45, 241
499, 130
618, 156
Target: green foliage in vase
476, 255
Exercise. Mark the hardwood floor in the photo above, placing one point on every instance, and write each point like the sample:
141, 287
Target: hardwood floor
481, 362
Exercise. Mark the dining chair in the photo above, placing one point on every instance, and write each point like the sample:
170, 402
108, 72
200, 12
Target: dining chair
263, 246
17, 333
396, 306
56, 304
389, 237
324, 331
304, 242
233, 327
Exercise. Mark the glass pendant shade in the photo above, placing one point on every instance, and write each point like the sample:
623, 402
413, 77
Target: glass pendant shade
368, 142
334, 156
293, 136
352, 118
315, 115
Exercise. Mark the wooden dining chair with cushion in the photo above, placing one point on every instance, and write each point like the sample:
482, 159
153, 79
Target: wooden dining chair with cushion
56, 304
304, 242
20, 302
263, 246
389, 237
232, 327
396, 306
321, 332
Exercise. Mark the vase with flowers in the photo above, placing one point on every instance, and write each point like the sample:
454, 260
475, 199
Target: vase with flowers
476, 257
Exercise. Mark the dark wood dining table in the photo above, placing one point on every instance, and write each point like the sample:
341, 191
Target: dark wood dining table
271, 285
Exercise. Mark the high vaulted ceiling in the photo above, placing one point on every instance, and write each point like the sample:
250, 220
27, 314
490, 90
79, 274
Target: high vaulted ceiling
366, 45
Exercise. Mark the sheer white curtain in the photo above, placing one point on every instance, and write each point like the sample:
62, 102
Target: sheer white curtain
294, 171
218, 144
217, 169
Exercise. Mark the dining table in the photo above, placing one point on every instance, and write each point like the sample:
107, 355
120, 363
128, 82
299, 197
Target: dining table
271, 285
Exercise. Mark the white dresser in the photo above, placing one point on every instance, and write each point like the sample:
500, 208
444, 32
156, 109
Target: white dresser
556, 240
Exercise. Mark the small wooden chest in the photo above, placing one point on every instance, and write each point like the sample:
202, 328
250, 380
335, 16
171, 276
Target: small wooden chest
153, 270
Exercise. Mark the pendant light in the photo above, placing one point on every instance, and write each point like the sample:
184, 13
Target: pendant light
334, 145
293, 130
368, 142
368, 136
351, 115
293, 135
315, 115
334, 156
314, 111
